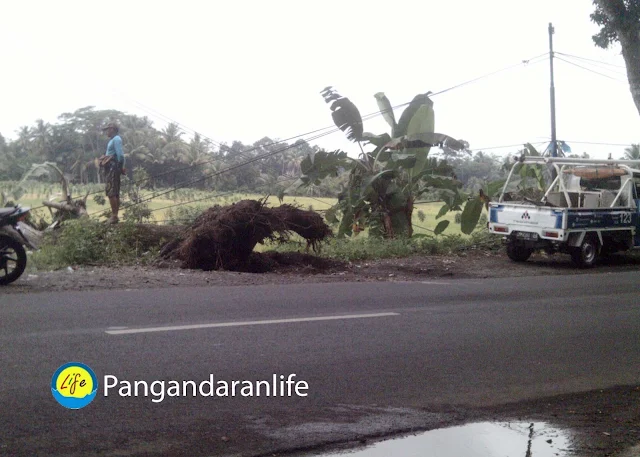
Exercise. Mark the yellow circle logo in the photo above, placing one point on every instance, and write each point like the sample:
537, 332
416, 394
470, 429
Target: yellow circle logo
74, 385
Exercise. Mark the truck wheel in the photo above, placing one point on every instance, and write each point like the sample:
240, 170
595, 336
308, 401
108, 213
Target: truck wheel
586, 255
518, 253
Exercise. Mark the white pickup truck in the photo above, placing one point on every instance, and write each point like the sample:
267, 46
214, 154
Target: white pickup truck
591, 207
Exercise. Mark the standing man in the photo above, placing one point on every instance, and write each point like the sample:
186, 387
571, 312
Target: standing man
113, 166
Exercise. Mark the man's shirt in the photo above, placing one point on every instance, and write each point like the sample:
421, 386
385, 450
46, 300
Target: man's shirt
114, 148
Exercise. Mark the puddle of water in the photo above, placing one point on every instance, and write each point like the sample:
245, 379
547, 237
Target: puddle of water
483, 439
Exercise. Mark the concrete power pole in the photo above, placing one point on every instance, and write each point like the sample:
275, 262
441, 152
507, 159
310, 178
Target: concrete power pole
554, 140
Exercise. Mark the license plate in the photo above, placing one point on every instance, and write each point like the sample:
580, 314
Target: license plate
527, 236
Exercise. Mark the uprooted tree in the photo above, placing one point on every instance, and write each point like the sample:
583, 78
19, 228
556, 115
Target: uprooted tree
385, 182
67, 209
224, 237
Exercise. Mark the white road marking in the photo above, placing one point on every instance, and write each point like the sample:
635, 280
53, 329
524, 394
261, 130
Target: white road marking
245, 323
439, 283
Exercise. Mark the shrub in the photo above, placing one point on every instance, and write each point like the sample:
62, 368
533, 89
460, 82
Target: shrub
88, 242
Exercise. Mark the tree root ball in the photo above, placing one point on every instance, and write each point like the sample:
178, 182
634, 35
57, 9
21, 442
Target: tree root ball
224, 237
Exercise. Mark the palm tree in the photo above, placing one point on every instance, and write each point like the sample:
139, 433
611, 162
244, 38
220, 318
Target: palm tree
172, 143
41, 134
632, 152
24, 140
197, 151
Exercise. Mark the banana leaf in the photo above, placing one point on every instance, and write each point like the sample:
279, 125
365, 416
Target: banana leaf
384, 105
406, 116
471, 215
441, 227
444, 209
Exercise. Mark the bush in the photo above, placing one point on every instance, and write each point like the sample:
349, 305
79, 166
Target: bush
87, 242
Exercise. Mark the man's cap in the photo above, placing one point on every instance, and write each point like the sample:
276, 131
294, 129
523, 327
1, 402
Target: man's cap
111, 125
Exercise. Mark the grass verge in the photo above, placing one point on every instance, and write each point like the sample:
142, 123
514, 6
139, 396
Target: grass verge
364, 248
87, 242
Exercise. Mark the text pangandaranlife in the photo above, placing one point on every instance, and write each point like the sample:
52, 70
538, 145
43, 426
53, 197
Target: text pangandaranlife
277, 386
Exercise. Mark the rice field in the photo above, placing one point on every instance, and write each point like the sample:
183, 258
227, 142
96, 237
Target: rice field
36, 193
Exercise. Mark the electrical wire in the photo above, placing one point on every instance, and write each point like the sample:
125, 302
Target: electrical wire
598, 144
506, 146
599, 67
524, 62
217, 173
591, 70
589, 60
330, 128
291, 178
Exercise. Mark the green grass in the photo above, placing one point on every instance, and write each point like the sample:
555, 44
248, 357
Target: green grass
64, 251
364, 248
427, 226
91, 243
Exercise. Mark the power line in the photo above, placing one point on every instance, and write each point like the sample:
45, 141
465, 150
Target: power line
332, 130
291, 178
589, 69
600, 67
521, 145
590, 60
598, 144
217, 173
524, 62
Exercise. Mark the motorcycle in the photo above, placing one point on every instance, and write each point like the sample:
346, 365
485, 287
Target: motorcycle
13, 257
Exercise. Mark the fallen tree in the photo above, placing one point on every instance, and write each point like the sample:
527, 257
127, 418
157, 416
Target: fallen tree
225, 237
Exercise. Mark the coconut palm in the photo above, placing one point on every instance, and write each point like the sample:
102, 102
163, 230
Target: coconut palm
197, 151
632, 152
173, 146
41, 135
24, 140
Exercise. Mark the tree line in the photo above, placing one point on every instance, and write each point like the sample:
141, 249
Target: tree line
167, 155
171, 158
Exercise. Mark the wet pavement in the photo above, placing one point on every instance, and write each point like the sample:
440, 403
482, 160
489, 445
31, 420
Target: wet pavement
483, 439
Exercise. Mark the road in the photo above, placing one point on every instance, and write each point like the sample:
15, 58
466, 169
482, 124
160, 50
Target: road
377, 357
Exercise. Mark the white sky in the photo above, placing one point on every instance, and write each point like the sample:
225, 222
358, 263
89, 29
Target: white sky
247, 69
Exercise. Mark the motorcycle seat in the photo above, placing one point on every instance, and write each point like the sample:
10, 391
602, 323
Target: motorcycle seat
7, 211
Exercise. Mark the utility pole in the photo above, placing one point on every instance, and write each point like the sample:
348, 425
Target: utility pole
554, 141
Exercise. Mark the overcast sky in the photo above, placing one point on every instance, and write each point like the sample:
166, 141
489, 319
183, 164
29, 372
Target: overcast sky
248, 69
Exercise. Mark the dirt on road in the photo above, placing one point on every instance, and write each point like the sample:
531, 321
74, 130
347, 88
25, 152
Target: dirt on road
287, 268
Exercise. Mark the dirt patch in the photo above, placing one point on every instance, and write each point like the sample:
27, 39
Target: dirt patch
603, 422
302, 268
599, 423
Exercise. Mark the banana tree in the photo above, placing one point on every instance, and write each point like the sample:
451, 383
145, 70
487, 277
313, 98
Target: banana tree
528, 181
385, 182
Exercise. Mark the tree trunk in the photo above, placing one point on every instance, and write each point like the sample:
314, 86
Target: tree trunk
628, 31
388, 225
409, 214
75, 210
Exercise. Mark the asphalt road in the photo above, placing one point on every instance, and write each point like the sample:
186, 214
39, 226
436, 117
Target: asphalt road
377, 357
